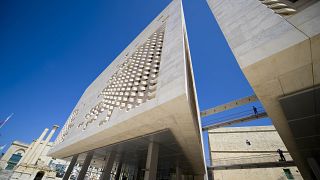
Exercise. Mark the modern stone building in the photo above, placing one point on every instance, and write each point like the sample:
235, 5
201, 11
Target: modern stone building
249, 153
140, 119
277, 46
26, 162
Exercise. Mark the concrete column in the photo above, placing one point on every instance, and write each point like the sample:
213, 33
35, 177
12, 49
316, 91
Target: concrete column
70, 167
35, 146
85, 166
42, 146
108, 166
178, 173
152, 161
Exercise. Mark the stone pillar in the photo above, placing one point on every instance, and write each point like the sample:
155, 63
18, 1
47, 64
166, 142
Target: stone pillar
178, 173
22, 160
70, 167
42, 146
85, 165
152, 161
108, 166
35, 146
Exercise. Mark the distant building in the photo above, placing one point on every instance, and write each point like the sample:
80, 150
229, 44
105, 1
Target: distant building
25, 162
13, 155
249, 153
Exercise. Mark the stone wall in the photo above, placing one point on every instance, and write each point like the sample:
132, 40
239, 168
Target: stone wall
244, 146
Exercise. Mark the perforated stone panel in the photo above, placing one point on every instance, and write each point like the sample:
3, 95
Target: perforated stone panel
134, 83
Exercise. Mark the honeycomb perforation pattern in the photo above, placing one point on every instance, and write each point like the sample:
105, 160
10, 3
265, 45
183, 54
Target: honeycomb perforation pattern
134, 83
69, 124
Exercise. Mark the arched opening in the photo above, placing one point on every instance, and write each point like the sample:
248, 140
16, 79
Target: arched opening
39, 175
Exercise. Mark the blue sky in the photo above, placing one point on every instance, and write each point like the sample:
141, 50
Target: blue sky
50, 51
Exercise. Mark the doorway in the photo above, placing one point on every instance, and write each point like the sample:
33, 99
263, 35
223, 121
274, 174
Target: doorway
39, 175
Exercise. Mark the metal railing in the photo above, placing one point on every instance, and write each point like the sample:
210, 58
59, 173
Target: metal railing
242, 160
232, 116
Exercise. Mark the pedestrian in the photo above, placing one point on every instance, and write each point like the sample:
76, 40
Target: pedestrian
248, 142
282, 158
255, 111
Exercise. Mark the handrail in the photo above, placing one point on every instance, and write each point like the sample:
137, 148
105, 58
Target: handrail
232, 116
242, 160
235, 121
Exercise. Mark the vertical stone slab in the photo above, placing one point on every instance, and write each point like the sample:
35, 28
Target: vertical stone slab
118, 170
70, 167
108, 166
152, 161
85, 166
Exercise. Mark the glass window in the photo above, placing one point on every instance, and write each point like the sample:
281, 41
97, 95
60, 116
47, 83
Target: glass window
13, 161
288, 173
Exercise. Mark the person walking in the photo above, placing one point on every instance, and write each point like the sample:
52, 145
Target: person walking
280, 152
255, 110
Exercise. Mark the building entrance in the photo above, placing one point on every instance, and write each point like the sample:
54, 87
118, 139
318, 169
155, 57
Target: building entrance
39, 175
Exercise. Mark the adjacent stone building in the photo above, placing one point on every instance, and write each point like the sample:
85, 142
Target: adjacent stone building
27, 162
249, 153
276, 44
13, 155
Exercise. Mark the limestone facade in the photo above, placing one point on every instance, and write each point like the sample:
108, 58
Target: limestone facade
18, 148
249, 153
23, 161
148, 88
279, 55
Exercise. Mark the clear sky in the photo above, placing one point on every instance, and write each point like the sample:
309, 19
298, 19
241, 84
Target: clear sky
50, 51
